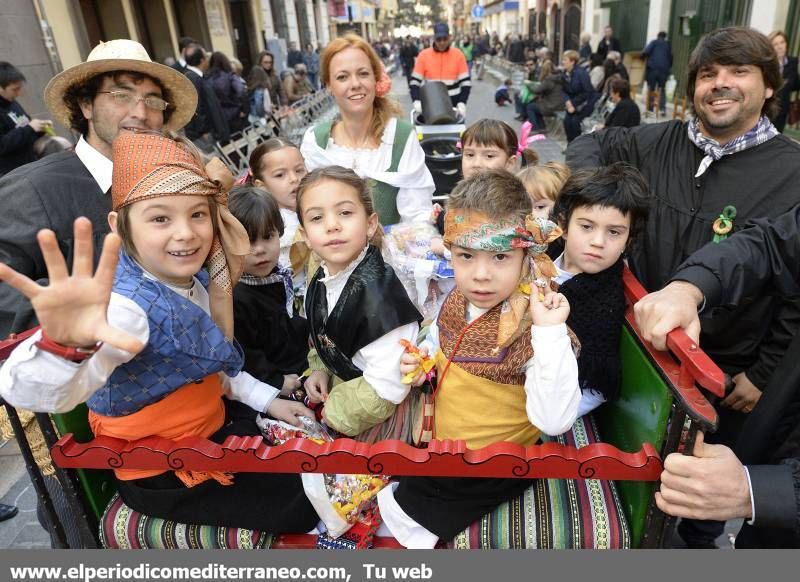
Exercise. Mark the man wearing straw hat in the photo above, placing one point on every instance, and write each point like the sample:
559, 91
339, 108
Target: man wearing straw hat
117, 89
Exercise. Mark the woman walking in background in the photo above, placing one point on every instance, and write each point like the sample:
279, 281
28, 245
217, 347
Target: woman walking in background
230, 91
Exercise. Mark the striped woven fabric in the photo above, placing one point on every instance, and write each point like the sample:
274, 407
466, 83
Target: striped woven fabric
555, 513
123, 528
400, 426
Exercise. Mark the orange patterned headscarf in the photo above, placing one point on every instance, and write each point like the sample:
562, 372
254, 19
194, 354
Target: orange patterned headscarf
473, 229
150, 165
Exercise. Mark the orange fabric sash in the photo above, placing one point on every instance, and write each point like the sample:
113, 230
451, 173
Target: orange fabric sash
192, 410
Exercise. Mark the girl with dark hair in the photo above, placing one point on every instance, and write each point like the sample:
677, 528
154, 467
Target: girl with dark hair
277, 167
358, 311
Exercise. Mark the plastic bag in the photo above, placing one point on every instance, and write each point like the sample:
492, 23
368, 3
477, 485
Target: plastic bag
427, 277
277, 432
341, 500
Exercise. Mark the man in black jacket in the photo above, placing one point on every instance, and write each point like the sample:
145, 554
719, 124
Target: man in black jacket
408, 54
18, 131
97, 99
208, 124
761, 481
185, 45
729, 156
608, 43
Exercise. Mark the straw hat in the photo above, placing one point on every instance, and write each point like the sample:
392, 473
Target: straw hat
124, 55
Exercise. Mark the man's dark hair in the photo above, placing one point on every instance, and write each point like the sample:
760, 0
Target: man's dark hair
621, 86
195, 56
662, 35
86, 92
618, 185
738, 45
184, 42
9, 74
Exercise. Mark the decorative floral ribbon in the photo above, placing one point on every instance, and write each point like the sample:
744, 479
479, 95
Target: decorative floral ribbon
724, 224
384, 84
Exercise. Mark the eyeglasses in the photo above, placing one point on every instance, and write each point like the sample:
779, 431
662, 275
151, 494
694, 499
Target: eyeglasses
299, 72
126, 98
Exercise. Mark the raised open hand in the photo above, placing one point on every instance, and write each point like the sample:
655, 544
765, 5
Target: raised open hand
72, 309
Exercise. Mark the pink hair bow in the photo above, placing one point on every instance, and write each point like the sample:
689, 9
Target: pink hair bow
525, 137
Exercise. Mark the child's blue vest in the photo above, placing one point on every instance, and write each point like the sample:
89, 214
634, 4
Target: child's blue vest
185, 346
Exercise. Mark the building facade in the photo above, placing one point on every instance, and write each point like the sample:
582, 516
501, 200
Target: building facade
43, 37
635, 22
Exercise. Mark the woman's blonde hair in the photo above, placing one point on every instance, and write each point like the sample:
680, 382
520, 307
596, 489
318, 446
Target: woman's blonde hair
775, 34
547, 179
571, 55
546, 70
384, 108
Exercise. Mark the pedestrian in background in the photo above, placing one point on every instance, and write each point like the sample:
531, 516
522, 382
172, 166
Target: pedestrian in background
579, 93
266, 62
585, 50
230, 91
311, 60
18, 131
294, 56
791, 81
208, 123
296, 84
658, 53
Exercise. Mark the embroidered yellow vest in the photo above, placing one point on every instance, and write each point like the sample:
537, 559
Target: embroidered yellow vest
481, 396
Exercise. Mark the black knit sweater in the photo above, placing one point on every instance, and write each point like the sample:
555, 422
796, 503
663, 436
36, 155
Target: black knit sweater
597, 313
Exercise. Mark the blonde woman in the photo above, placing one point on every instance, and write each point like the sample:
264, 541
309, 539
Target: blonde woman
368, 136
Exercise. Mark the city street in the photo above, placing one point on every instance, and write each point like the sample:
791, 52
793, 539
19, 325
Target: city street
24, 531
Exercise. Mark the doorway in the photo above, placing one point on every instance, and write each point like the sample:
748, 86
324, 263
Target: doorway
153, 28
572, 26
190, 19
243, 34
103, 20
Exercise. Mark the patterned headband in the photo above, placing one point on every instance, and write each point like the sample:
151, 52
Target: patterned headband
473, 229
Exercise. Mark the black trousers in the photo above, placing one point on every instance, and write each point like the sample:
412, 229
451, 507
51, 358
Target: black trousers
270, 502
446, 505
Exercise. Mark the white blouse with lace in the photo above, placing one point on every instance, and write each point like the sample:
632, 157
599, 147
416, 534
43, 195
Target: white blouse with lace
412, 176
